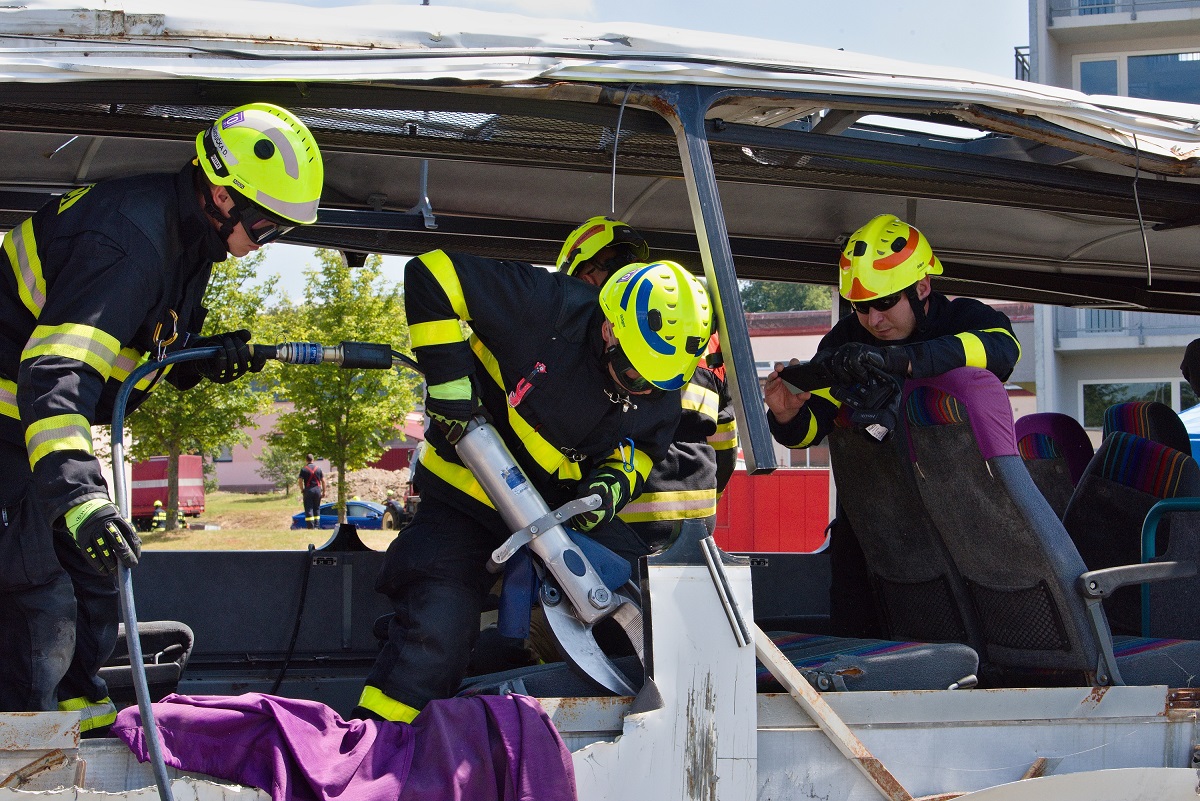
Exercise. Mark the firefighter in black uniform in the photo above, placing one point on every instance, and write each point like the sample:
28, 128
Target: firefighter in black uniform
900, 322
687, 482
582, 385
95, 283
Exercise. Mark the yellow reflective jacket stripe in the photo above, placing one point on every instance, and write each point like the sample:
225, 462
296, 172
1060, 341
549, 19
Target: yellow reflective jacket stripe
386, 707
443, 271
20, 246
61, 432
725, 437
455, 475
671, 505
437, 332
129, 360
701, 400
81, 343
548, 457
92, 714
8, 399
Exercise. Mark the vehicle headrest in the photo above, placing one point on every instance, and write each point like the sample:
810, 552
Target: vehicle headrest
967, 394
1053, 435
1150, 419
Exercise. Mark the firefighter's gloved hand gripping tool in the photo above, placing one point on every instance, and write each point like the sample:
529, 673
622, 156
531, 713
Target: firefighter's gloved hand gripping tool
565, 569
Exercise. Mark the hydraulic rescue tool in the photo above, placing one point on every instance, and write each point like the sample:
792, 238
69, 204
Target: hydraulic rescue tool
565, 569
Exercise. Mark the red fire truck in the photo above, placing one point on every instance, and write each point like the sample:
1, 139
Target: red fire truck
150, 485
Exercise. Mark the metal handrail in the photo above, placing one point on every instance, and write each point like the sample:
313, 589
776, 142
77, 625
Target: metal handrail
1149, 536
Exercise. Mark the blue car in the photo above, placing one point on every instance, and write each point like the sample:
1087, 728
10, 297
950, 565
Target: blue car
363, 514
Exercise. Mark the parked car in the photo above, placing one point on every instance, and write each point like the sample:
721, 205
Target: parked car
363, 514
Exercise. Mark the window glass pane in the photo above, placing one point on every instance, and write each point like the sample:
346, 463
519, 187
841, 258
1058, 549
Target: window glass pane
224, 455
1098, 397
1173, 76
1098, 77
1187, 398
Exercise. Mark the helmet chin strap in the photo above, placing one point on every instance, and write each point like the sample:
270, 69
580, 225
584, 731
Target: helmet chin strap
227, 221
918, 306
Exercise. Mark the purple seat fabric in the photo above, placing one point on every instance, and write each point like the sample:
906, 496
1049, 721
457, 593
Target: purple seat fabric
1056, 451
1063, 431
490, 748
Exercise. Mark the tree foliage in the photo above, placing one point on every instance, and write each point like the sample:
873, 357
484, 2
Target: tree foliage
346, 416
279, 463
209, 416
774, 296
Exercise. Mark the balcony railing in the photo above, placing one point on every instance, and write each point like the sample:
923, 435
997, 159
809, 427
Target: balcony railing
1021, 62
1083, 8
1091, 323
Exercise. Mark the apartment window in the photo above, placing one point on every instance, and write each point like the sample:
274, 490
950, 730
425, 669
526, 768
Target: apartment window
1168, 76
1096, 7
1156, 76
224, 455
1098, 77
1097, 397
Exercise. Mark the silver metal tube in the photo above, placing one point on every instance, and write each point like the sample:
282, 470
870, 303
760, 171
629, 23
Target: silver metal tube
519, 504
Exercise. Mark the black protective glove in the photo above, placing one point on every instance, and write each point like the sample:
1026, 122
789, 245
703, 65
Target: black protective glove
612, 487
851, 361
104, 536
234, 360
881, 419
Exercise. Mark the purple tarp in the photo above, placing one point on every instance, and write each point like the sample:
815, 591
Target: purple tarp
487, 748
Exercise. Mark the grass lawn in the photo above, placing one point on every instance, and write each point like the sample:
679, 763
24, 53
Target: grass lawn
250, 523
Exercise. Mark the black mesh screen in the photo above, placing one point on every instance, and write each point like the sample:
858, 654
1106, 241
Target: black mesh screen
921, 611
1025, 619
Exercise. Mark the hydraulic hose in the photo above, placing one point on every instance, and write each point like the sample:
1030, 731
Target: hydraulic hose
361, 355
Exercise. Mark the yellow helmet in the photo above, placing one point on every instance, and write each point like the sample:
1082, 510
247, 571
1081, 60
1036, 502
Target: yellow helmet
662, 319
158, 503
268, 157
885, 256
593, 236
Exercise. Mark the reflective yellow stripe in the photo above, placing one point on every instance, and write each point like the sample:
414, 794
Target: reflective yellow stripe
68, 200
61, 432
81, 343
8, 399
973, 353
548, 457
437, 332
677, 505
702, 400
726, 436
387, 708
1008, 334
455, 475
129, 360
642, 463
20, 246
443, 271
92, 715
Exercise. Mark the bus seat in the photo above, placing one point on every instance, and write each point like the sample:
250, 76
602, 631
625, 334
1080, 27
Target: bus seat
1020, 566
1150, 419
1127, 476
1056, 450
829, 663
919, 593
166, 646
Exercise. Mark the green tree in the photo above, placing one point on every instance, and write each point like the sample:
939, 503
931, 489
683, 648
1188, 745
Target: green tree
209, 416
772, 296
278, 463
347, 415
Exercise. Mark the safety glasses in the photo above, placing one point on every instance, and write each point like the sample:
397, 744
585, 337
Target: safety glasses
621, 370
261, 226
880, 304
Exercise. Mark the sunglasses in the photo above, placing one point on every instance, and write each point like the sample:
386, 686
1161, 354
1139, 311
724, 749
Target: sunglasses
880, 304
261, 226
621, 368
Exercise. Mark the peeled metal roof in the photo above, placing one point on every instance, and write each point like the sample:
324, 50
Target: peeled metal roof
412, 44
